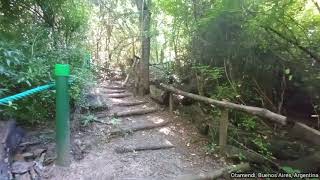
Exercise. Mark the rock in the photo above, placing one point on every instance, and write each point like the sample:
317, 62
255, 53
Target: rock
42, 158
49, 160
196, 116
33, 174
27, 155
4, 171
38, 168
13, 137
20, 167
80, 144
77, 153
18, 157
25, 176
38, 152
96, 102
159, 95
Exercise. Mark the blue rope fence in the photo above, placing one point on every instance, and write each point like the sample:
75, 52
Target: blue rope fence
63, 78
10, 99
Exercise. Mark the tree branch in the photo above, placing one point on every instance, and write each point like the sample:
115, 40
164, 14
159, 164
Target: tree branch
302, 48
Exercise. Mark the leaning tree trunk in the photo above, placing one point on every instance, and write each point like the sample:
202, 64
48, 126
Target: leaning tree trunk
143, 75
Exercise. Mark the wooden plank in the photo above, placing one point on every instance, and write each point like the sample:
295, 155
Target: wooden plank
110, 91
125, 149
130, 103
113, 87
138, 128
135, 112
118, 95
223, 131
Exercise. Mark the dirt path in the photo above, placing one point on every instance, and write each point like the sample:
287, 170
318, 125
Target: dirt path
103, 161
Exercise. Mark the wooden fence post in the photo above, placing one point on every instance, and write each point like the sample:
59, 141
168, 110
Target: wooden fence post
223, 131
171, 102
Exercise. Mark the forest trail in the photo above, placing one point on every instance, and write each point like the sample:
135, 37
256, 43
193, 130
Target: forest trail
177, 148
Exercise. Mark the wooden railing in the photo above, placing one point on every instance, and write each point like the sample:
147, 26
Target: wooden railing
310, 133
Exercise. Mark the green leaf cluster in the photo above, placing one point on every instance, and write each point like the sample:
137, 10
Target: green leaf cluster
34, 36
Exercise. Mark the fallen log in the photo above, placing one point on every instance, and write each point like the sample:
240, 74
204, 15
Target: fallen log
261, 112
217, 173
138, 128
121, 150
118, 95
135, 112
130, 103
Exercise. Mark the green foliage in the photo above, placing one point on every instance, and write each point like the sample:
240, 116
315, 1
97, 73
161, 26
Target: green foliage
261, 41
290, 170
241, 157
213, 73
247, 122
87, 119
115, 121
31, 44
225, 92
211, 148
262, 145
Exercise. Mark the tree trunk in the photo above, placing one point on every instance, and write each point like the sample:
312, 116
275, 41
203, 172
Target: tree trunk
162, 54
145, 15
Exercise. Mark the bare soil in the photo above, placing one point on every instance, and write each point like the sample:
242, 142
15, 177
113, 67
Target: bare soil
94, 153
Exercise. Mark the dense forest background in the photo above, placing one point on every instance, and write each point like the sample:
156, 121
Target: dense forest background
262, 53
34, 36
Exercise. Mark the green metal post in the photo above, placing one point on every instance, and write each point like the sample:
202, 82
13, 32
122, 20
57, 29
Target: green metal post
62, 72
